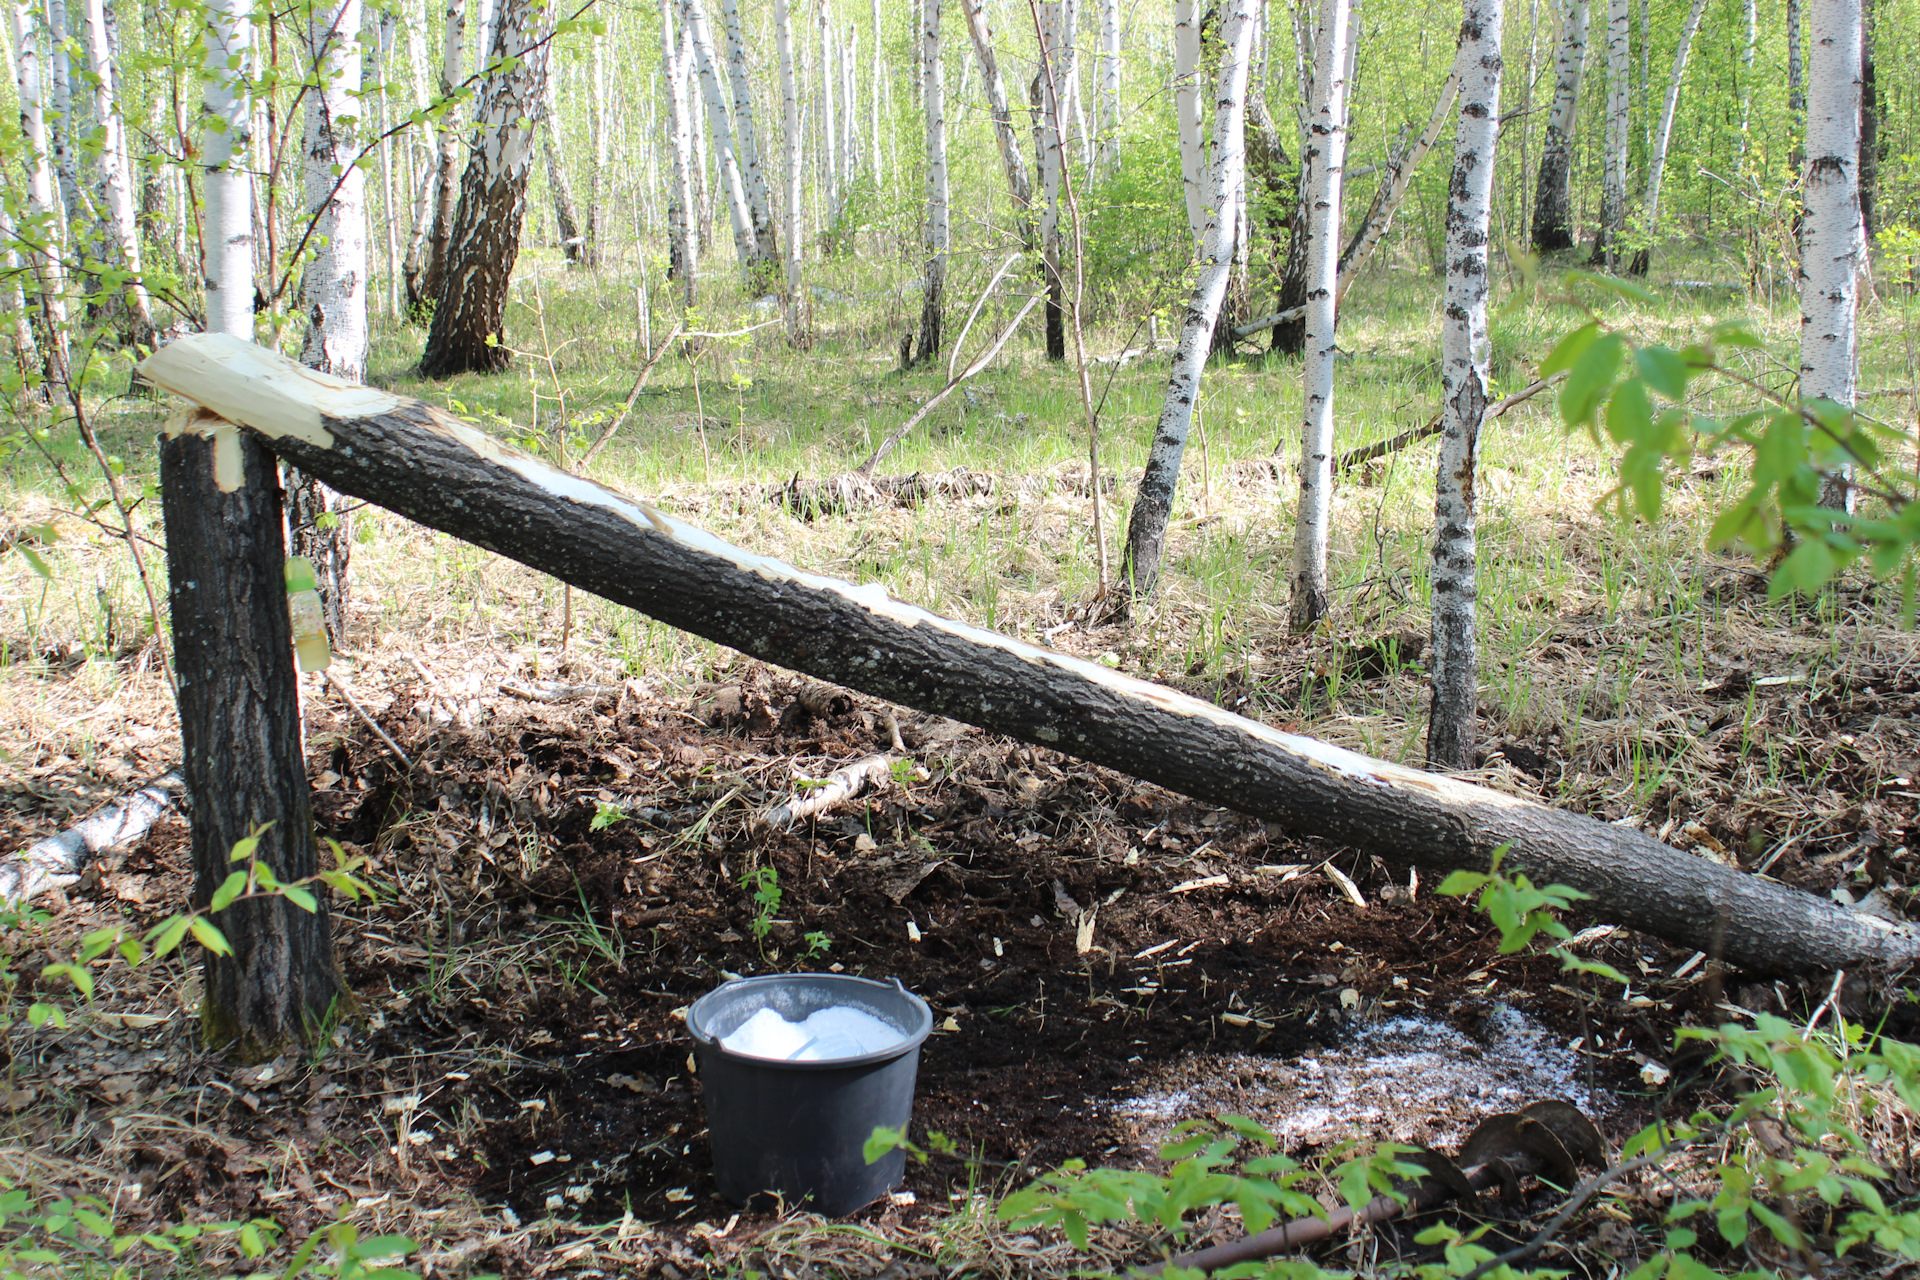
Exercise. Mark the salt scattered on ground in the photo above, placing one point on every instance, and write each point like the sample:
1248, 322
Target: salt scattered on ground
834, 1032
1407, 1079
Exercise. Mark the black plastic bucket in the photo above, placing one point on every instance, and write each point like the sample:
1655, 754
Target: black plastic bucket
798, 1129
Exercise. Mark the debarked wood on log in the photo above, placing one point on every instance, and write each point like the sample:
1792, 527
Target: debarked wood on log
423, 463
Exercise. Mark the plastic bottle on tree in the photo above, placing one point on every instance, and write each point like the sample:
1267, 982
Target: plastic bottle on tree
309, 619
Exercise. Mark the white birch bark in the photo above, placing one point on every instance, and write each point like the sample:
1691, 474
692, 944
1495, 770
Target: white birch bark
1012, 157
1751, 16
226, 149
827, 76
446, 184
934, 96
753, 174
878, 77
1553, 197
599, 181
43, 215
1226, 180
850, 114
1657, 163
1186, 111
13, 298
1613, 180
390, 223
1048, 136
1324, 159
790, 131
696, 117
115, 180
1832, 240
720, 132
1109, 95
683, 241
60, 119
1463, 381
334, 284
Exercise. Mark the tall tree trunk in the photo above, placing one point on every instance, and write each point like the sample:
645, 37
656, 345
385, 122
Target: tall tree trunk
1553, 197
683, 240
226, 225
790, 129
1012, 158
566, 214
877, 80
1796, 85
1870, 144
1324, 164
1226, 180
828, 159
753, 174
1463, 381
934, 97
387, 146
1050, 159
116, 182
334, 285
61, 124
1657, 163
41, 226
599, 181
13, 298
1109, 116
1613, 183
1832, 245
732, 188
423, 287
1186, 112
233, 643
493, 203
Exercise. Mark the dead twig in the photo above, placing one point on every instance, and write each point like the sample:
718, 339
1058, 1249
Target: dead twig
842, 784
346, 695
639, 385
1354, 457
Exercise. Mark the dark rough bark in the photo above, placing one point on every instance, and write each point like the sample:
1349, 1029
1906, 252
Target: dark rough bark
1553, 200
1290, 336
566, 219
240, 734
1872, 148
467, 334
416, 460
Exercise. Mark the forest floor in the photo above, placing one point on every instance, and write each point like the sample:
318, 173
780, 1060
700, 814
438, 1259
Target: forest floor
512, 1085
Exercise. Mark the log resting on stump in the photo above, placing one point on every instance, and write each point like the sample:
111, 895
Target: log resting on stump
427, 465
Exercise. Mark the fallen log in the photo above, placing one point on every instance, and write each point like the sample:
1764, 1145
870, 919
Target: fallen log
423, 463
59, 859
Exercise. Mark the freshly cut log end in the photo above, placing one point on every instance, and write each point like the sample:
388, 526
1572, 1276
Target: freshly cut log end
427, 465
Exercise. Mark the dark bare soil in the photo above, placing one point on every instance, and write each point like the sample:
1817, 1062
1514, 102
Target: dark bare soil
518, 1037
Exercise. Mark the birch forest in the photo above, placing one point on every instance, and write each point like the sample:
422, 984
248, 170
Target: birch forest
1311, 608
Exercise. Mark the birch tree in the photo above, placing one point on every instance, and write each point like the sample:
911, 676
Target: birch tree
226, 221
334, 283
423, 277
934, 97
1796, 83
1012, 158
1832, 241
753, 174
233, 643
1109, 92
826, 156
1043, 96
1463, 381
1186, 111
467, 331
116, 182
683, 241
1553, 196
1226, 183
1323, 164
790, 128
1613, 181
1657, 163
756, 266
40, 236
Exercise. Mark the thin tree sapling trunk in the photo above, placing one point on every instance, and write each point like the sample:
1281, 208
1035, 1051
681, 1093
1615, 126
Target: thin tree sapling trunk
1012, 158
1553, 196
753, 173
1187, 113
1323, 165
1451, 727
1050, 159
1226, 180
116, 181
790, 130
706, 67
683, 240
42, 215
